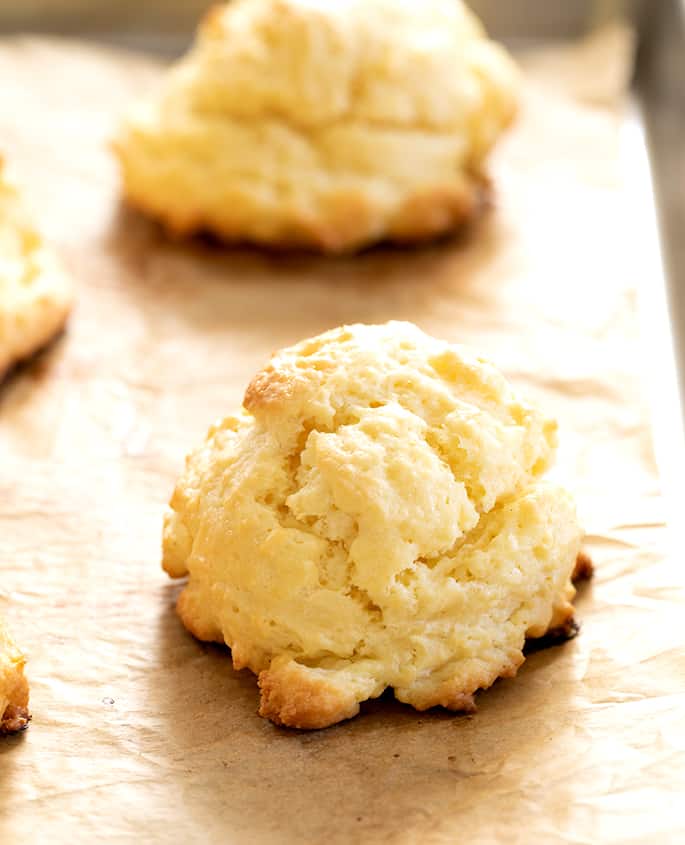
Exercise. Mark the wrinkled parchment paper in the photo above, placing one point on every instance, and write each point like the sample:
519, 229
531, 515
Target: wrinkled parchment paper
140, 733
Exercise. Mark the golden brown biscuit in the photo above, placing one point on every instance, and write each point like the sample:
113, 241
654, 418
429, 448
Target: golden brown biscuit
35, 294
322, 124
14, 689
374, 517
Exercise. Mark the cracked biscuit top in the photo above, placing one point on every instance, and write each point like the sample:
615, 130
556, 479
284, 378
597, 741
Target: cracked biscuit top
374, 517
322, 123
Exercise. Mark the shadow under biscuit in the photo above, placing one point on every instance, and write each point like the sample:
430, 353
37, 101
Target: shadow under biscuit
11, 746
37, 366
294, 293
10, 749
244, 777
128, 218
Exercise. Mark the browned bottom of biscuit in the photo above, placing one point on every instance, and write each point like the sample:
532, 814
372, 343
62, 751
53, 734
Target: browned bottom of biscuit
295, 696
14, 719
584, 568
553, 637
348, 223
568, 628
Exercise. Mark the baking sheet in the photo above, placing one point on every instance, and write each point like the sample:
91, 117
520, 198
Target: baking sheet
140, 732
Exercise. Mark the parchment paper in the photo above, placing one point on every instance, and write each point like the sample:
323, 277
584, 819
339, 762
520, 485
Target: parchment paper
139, 732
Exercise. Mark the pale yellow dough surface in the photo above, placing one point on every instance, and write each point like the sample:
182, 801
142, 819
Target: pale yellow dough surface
374, 517
14, 689
35, 293
322, 124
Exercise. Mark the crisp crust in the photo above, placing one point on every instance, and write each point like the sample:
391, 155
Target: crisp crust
563, 625
14, 688
192, 619
293, 697
375, 518
35, 294
584, 568
458, 694
562, 613
15, 718
270, 386
254, 137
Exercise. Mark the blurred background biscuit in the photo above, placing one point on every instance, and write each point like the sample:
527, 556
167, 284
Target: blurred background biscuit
35, 293
325, 125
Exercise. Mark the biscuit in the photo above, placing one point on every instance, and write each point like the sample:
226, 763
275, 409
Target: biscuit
373, 517
325, 125
14, 689
35, 293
